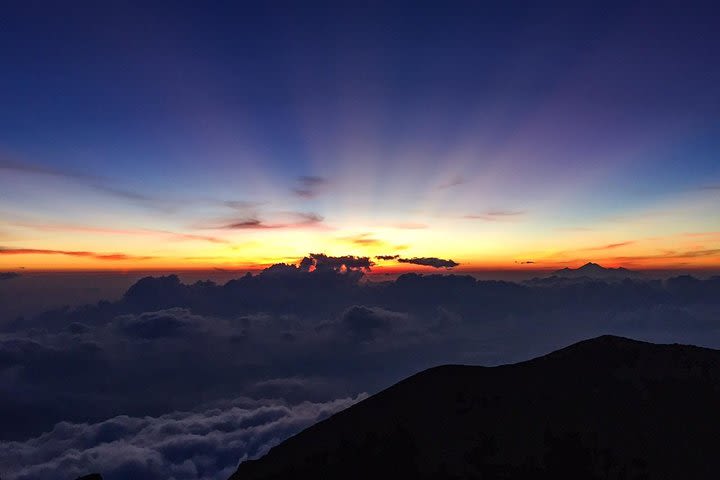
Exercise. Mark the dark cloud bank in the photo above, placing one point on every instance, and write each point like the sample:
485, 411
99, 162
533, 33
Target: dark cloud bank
184, 381
429, 262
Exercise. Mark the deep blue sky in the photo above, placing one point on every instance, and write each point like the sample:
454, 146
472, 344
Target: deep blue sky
570, 115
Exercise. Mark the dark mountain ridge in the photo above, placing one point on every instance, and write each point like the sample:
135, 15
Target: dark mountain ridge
609, 408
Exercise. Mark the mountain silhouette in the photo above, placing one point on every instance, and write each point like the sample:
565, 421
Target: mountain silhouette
605, 408
593, 270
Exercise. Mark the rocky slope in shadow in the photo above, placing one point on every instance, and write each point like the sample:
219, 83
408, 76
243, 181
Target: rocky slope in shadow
606, 408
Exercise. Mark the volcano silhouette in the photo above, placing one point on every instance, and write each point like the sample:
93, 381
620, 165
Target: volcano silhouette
593, 270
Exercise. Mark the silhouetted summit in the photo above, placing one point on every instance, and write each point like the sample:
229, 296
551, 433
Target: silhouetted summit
593, 270
606, 408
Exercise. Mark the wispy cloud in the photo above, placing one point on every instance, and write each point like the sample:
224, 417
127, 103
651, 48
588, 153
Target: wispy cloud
23, 167
72, 253
241, 205
116, 231
671, 255
594, 248
295, 220
609, 246
131, 195
453, 182
364, 239
701, 234
410, 225
94, 182
190, 236
309, 186
247, 223
496, 215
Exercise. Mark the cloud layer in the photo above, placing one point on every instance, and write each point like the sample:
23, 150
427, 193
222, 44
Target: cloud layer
201, 444
309, 186
102, 380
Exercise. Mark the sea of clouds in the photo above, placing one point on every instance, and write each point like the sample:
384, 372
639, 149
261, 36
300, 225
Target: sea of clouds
184, 381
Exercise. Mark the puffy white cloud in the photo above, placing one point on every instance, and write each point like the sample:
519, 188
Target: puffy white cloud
201, 444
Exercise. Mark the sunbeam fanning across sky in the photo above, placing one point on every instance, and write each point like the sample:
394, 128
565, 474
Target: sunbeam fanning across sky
496, 137
312, 240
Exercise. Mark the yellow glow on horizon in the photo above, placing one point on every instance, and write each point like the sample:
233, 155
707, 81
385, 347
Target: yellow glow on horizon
71, 251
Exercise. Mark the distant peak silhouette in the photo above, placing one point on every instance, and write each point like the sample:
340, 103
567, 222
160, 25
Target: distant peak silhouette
594, 270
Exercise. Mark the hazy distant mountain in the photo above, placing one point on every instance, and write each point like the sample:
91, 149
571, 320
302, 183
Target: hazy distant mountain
593, 270
607, 408
8, 275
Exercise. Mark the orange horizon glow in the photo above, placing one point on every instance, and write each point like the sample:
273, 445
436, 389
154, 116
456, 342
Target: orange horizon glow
72, 250
676, 234
35, 262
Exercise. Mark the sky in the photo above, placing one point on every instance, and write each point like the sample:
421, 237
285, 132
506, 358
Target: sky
212, 136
